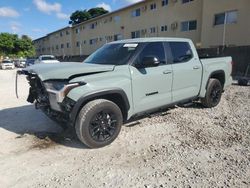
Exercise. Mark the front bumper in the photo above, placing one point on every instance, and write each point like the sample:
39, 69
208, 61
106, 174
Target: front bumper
8, 67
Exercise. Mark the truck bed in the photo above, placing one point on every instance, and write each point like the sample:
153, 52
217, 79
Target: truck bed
218, 64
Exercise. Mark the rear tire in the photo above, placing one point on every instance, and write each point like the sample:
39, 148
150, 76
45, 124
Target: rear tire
98, 123
213, 94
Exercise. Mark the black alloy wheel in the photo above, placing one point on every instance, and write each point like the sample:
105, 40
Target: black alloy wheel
103, 126
98, 123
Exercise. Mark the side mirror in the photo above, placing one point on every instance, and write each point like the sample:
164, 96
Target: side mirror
149, 61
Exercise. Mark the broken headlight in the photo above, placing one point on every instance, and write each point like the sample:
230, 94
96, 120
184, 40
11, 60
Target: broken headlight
55, 85
61, 89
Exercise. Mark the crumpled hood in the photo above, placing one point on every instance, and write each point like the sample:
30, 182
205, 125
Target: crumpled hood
66, 70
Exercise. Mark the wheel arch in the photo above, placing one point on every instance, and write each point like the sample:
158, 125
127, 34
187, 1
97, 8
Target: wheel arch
219, 75
118, 96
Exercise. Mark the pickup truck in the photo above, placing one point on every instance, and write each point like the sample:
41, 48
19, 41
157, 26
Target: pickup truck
46, 59
7, 64
124, 80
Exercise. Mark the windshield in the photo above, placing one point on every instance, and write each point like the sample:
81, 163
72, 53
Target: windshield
7, 62
48, 58
113, 54
31, 60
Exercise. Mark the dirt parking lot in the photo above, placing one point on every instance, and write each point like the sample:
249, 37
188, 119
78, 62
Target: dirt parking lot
182, 147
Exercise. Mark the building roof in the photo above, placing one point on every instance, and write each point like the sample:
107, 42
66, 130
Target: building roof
67, 27
93, 19
110, 13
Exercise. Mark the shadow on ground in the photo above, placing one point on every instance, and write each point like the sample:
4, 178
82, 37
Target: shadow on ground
26, 120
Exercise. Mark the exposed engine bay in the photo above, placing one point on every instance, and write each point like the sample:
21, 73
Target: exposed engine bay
46, 99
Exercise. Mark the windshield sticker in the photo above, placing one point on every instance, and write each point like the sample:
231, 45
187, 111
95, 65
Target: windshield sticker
130, 45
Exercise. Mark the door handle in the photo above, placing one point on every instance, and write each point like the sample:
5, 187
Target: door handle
167, 72
196, 67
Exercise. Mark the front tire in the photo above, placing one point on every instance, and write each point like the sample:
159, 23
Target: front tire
213, 94
98, 123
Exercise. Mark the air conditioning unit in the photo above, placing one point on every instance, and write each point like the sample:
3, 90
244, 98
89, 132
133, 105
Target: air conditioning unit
174, 25
144, 8
144, 31
174, 1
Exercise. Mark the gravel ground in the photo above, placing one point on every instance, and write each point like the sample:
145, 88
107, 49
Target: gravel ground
182, 147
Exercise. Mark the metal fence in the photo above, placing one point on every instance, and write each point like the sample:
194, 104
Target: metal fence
240, 55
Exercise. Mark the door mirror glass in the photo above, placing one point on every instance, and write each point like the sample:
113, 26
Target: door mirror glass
148, 61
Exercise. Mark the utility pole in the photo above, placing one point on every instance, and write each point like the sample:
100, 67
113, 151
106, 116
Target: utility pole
224, 32
80, 49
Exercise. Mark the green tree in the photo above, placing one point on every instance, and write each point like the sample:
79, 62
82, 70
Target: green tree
13, 46
25, 47
80, 16
7, 42
95, 12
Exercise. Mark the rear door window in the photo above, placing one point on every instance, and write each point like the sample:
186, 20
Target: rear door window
181, 52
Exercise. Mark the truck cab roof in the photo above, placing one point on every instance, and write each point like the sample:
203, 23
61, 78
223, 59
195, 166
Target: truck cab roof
152, 39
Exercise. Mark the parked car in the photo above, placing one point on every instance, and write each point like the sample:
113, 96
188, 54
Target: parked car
20, 63
30, 62
123, 80
46, 59
7, 64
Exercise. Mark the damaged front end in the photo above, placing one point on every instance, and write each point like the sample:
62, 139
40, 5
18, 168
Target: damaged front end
51, 96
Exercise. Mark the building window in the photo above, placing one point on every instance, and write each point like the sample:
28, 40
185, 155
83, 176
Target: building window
93, 25
93, 41
57, 47
117, 19
77, 44
105, 20
108, 38
153, 6
67, 32
62, 45
152, 30
135, 34
164, 3
143, 32
118, 37
226, 17
61, 34
136, 13
77, 30
68, 45
189, 25
164, 28
186, 1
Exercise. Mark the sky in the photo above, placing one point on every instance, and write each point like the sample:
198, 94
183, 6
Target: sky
36, 18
